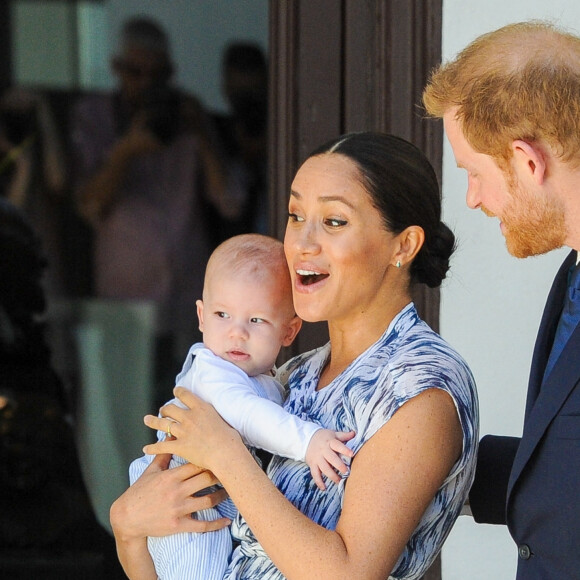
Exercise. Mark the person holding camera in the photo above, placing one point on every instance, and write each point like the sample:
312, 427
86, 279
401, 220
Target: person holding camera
33, 172
145, 165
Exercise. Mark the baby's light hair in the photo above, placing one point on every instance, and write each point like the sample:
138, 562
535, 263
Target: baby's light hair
249, 252
257, 255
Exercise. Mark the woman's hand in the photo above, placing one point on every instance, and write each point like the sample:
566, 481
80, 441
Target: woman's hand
161, 502
198, 432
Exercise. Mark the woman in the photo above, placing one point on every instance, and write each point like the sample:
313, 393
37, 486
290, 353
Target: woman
364, 225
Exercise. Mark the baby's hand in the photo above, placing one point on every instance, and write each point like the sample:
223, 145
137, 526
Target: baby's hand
323, 455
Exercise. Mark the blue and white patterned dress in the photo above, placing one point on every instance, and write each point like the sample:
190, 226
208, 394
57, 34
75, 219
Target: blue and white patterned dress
408, 359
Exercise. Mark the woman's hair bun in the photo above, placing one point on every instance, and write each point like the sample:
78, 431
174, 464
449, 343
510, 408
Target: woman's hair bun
432, 262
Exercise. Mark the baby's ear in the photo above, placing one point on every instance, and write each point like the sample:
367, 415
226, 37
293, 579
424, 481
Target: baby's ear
199, 305
292, 329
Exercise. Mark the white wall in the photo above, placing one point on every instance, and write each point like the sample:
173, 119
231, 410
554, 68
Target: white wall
492, 303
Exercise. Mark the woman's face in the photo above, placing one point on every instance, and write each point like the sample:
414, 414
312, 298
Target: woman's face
337, 247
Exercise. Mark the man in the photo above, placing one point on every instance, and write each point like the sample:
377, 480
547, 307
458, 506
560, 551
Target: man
243, 133
145, 164
510, 104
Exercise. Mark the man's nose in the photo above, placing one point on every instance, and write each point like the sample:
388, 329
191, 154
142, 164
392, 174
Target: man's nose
472, 196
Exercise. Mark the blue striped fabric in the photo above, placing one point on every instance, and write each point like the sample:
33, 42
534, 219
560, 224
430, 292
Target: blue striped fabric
408, 359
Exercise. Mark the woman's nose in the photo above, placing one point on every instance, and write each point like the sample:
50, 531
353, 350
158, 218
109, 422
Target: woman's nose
305, 239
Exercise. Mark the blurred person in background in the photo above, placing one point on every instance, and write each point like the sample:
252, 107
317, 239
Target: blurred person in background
47, 524
33, 172
145, 163
243, 134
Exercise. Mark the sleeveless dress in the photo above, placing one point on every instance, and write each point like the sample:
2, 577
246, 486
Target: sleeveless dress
408, 359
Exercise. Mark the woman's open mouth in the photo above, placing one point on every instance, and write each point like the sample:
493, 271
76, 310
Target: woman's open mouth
308, 277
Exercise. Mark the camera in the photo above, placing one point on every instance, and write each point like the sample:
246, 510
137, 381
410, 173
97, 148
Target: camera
163, 109
18, 124
250, 112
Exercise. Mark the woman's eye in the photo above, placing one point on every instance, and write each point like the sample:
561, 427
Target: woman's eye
295, 217
335, 222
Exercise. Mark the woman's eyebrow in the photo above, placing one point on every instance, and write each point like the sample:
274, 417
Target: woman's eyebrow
325, 198
339, 198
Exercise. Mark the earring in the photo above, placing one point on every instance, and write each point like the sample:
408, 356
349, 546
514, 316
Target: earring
398, 264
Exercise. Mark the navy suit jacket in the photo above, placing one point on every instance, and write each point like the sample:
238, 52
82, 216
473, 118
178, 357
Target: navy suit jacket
533, 483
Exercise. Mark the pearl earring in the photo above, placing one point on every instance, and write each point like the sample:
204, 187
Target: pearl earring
398, 264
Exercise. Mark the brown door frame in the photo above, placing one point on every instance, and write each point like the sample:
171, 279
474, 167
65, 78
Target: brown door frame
364, 69
349, 65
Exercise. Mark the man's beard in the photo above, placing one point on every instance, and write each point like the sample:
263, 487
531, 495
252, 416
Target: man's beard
532, 225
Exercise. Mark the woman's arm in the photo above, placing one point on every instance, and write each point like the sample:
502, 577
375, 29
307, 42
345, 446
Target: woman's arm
393, 478
18, 189
54, 160
160, 503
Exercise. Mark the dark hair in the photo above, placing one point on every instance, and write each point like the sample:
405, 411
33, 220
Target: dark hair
245, 56
22, 264
404, 188
24, 353
146, 33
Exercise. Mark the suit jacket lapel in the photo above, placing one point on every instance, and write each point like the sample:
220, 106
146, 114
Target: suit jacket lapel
545, 398
547, 331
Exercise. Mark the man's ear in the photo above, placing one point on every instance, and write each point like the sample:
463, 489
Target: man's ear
529, 161
292, 329
199, 304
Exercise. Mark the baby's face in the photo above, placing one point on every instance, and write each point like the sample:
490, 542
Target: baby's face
246, 321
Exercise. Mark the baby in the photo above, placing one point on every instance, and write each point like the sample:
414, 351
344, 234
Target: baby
246, 316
